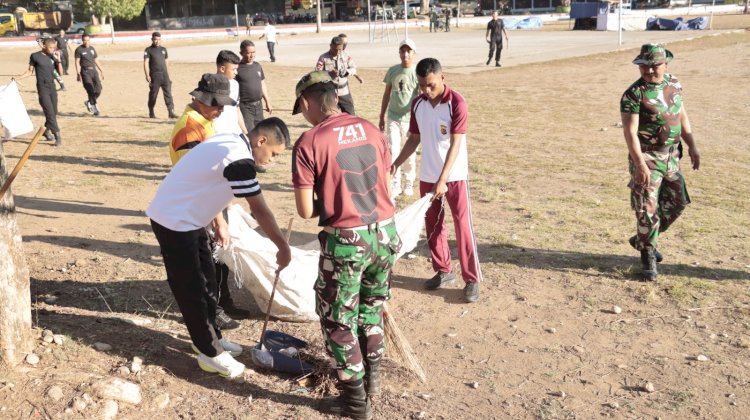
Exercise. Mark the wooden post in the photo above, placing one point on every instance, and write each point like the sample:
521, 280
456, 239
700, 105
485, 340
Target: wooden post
15, 294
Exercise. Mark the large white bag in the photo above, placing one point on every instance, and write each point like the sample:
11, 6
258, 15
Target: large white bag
252, 258
13, 116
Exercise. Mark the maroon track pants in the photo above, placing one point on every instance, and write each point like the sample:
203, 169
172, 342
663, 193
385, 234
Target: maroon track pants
457, 198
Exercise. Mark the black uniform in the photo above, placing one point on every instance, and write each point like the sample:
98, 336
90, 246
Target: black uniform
62, 46
157, 69
89, 75
496, 27
44, 66
250, 78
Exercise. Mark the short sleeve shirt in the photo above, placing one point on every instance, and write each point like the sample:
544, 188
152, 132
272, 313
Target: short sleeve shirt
189, 131
44, 66
250, 76
344, 66
86, 55
496, 27
157, 58
658, 107
204, 182
228, 121
404, 88
345, 159
62, 44
435, 126
270, 32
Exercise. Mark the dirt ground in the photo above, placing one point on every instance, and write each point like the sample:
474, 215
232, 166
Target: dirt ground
552, 218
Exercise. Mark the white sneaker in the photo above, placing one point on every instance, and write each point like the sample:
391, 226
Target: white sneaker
223, 364
233, 349
409, 189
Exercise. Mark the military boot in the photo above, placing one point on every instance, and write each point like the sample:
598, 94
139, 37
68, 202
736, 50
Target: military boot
657, 254
372, 378
648, 259
151, 113
172, 114
352, 402
58, 139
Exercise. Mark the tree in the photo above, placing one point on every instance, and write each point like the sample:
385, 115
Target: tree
15, 294
424, 7
100, 9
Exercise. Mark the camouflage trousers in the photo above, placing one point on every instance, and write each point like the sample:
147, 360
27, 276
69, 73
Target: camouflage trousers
354, 275
661, 202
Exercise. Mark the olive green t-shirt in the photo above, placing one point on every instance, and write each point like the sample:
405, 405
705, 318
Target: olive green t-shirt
404, 88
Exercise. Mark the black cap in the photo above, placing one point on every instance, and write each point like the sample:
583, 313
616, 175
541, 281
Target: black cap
213, 90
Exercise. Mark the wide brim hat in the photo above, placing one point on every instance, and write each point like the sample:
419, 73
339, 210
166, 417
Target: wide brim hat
314, 80
213, 90
652, 54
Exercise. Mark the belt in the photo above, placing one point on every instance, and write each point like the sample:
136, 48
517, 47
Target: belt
87, 68
370, 227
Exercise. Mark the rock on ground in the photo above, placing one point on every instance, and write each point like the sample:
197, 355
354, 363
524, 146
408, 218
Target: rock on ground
119, 390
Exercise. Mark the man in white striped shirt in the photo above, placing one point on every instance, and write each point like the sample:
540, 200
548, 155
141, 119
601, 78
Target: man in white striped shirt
199, 187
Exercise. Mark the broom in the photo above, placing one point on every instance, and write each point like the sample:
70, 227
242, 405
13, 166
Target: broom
400, 347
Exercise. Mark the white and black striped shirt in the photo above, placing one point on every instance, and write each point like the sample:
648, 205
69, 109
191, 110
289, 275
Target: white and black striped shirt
204, 182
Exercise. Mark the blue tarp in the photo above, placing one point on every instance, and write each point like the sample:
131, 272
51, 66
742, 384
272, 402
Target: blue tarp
661, 24
584, 10
527, 23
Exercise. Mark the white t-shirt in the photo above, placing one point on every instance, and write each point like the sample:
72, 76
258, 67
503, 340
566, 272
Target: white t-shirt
270, 32
435, 126
204, 182
228, 121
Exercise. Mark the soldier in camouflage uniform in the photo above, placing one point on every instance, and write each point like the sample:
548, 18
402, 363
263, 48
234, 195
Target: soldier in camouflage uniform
341, 174
654, 120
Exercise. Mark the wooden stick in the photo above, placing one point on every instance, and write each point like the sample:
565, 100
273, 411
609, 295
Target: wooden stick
22, 161
273, 290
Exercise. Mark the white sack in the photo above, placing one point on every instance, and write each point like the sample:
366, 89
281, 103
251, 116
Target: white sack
252, 258
13, 116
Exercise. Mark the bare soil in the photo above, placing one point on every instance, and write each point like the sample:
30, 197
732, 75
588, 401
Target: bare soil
552, 217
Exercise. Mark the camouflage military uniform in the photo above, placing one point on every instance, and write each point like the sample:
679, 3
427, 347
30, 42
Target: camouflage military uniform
661, 202
353, 282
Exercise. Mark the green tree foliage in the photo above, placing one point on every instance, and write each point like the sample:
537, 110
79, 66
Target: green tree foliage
124, 9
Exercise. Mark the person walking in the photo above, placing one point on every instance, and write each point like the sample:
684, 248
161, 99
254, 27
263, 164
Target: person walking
88, 72
447, 20
340, 172
252, 84
156, 69
193, 194
654, 119
494, 37
440, 121
64, 47
401, 87
339, 66
269, 32
248, 23
45, 64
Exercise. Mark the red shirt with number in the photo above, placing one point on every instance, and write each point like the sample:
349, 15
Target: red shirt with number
346, 160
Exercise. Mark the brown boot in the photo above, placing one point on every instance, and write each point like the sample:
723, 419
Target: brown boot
352, 402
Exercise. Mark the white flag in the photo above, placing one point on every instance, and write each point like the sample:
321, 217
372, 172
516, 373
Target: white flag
13, 116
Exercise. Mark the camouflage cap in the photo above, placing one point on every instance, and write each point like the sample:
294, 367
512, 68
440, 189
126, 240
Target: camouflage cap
309, 80
653, 54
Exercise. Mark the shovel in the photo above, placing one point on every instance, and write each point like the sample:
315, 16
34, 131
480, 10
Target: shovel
277, 350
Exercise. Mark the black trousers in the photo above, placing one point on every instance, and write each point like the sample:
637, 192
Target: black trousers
190, 274
346, 104
496, 47
271, 46
64, 60
160, 80
92, 84
48, 100
252, 113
